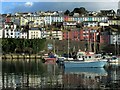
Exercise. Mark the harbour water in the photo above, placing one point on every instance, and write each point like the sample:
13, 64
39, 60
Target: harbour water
33, 74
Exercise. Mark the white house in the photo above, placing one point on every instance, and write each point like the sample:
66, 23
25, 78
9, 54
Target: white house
90, 23
1, 33
9, 30
57, 35
103, 24
115, 38
24, 35
17, 33
54, 35
47, 20
34, 33
43, 34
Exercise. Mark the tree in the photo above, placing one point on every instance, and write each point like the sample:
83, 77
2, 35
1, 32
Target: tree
10, 45
80, 10
110, 48
67, 12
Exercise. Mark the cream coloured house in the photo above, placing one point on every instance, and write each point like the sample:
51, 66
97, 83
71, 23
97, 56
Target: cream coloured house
34, 33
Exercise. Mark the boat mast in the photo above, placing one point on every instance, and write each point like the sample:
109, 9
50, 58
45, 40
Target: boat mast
68, 44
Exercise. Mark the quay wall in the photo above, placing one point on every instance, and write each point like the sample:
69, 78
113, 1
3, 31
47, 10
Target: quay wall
15, 56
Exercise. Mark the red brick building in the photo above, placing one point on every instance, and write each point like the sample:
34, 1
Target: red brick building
104, 38
72, 35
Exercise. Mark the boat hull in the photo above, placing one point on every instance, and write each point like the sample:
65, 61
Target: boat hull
50, 60
91, 64
100, 71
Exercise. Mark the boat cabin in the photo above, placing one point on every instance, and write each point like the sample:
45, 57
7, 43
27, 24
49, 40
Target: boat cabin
84, 56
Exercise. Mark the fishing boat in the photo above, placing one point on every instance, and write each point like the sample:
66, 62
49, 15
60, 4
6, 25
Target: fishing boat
86, 59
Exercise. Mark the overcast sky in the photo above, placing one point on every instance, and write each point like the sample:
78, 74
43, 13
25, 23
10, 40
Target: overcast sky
12, 7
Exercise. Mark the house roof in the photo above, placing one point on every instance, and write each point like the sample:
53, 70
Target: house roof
104, 12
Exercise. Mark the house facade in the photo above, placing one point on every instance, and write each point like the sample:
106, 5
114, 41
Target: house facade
23, 35
115, 38
1, 33
17, 33
9, 30
34, 33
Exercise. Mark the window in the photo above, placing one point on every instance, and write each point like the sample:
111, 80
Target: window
7, 34
9, 27
90, 25
89, 56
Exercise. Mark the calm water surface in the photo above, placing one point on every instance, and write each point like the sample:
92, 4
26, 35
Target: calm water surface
34, 75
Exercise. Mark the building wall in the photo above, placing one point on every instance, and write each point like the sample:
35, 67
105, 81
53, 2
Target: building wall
56, 19
73, 35
23, 21
1, 33
34, 34
43, 34
114, 22
24, 35
9, 31
114, 39
104, 38
89, 18
57, 35
17, 34
90, 24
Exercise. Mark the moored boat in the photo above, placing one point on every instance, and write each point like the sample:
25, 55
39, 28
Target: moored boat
113, 60
100, 71
86, 59
92, 64
49, 58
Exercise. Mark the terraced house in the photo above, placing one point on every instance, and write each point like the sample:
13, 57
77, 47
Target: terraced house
58, 25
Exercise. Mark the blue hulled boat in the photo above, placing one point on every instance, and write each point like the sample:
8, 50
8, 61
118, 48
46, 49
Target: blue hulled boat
91, 64
86, 59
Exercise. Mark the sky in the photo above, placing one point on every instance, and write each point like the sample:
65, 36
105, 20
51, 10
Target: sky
12, 7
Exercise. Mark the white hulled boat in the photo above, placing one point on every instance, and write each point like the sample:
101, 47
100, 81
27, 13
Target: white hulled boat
113, 60
86, 59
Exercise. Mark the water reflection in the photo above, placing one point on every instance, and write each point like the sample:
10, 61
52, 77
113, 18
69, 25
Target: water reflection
35, 74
